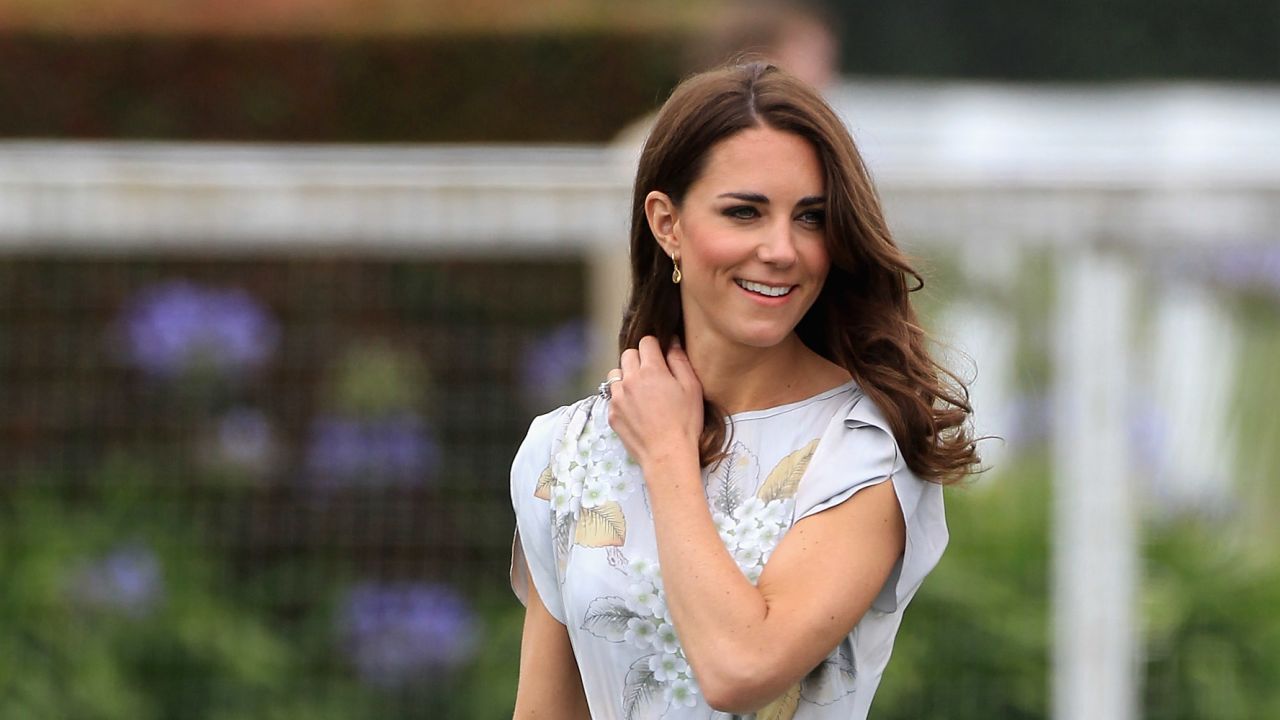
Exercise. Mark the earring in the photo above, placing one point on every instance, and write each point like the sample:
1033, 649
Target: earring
675, 272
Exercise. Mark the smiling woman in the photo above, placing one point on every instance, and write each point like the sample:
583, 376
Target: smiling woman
740, 518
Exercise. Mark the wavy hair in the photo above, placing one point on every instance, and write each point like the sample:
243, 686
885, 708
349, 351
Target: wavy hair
862, 320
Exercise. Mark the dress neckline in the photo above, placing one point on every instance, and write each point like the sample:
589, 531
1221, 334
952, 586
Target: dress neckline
787, 407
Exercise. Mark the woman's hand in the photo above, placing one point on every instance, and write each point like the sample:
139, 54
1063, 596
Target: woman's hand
656, 407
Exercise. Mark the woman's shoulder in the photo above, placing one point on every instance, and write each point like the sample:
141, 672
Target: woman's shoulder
856, 447
863, 411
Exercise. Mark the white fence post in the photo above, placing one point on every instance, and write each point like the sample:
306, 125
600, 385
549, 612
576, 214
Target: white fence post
1094, 506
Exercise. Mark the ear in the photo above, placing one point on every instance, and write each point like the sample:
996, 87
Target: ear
664, 221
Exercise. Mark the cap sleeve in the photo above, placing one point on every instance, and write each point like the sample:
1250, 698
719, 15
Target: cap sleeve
531, 547
858, 450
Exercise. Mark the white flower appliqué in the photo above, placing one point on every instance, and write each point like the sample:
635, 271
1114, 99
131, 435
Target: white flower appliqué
592, 469
752, 532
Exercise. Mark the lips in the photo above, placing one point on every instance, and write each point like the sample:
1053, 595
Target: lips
772, 291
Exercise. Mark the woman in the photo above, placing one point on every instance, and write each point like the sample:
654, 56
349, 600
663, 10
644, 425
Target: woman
737, 521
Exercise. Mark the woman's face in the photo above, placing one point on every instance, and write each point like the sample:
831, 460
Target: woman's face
750, 236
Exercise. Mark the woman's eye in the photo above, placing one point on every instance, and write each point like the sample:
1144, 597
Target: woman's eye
742, 212
814, 218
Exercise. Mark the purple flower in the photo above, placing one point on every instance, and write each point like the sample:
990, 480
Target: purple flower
1249, 268
391, 450
126, 580
1148, 436
1031, 420
397, 633
176, 327
1241, 268
553, 363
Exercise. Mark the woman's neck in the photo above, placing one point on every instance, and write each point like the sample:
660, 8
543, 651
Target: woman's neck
742, 379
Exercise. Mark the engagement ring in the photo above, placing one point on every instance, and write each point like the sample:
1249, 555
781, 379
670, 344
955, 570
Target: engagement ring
605, 392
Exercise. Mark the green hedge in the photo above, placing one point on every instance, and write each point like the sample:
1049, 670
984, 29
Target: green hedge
568, 88
1063, 39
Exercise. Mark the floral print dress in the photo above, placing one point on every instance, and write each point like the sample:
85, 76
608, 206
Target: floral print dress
584, 528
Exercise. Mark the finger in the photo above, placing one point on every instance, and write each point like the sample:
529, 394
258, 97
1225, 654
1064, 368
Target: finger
651, 352
630, 361
614, 374
681, 368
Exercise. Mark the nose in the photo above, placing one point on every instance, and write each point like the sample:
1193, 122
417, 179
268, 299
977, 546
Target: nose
777, 246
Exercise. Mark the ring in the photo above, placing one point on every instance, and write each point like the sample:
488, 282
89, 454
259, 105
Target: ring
604, 390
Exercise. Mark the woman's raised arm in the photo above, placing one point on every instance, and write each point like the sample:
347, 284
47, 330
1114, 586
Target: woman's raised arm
746, 643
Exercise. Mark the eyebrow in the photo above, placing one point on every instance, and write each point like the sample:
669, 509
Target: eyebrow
758, 198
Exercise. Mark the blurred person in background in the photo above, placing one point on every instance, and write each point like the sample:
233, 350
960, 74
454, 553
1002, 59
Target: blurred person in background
799, 37
739, 518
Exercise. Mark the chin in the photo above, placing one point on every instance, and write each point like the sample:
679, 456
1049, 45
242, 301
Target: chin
763, 338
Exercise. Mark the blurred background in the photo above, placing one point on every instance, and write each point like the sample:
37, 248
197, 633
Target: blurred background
283, 283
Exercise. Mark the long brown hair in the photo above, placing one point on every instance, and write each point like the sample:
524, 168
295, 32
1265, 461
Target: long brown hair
862, 320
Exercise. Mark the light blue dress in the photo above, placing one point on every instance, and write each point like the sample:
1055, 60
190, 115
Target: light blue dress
585, 529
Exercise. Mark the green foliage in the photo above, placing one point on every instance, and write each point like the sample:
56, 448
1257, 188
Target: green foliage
202, 648
181, 650
975, 642
487, 689
1212, 630
149, 570
375, 378
1257, 424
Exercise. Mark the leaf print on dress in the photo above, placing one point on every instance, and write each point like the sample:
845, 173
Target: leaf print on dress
725, 484
601, 526
832, 679
608, 617
640, 690
785, 477
562, 541
636, 618
782, 708
542, 490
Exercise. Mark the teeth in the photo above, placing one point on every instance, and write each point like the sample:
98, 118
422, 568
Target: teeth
756, 287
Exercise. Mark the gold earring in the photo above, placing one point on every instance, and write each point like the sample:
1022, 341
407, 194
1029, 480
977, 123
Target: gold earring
675, 272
